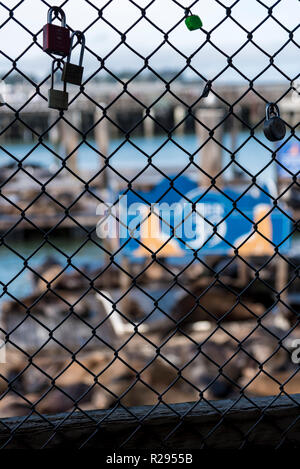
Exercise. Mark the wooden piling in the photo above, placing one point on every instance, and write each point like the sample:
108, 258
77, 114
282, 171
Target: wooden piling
149, 124
179, 115
70, 138
281, 281
211, 152
55, 134
101, 131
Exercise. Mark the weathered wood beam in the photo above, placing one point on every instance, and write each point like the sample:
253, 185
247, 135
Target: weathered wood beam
227, 424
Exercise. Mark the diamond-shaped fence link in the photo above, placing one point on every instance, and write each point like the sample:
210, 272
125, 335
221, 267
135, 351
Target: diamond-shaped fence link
101, 310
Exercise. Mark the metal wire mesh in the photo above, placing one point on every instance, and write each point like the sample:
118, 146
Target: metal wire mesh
64, 350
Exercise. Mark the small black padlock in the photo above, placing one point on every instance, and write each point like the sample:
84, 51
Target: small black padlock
274, 127
57, 99
73, 73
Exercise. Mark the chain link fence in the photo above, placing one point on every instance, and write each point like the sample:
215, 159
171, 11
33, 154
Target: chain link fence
101, 310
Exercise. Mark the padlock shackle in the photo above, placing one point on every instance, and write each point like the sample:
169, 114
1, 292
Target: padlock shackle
272, 108
81, 40
56, 11
59, 62
206, 90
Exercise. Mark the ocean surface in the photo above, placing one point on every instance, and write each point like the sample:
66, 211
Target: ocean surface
166, 155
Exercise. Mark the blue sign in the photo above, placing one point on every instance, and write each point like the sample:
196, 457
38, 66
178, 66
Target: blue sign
289, 157
185, 218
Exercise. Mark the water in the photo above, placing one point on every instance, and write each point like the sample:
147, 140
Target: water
19, 280
252, 156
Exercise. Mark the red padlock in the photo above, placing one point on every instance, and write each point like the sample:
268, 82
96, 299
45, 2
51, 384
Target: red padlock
56, 39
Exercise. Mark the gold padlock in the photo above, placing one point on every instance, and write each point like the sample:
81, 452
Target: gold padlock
57, 99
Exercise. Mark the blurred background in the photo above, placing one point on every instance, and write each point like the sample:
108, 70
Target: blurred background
140, 120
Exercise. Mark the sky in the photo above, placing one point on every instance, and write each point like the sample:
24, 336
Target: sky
144, 38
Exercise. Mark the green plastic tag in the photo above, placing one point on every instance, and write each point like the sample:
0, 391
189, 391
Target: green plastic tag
193, 22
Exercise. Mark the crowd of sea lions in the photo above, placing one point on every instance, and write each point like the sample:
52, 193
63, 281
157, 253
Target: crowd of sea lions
76, 346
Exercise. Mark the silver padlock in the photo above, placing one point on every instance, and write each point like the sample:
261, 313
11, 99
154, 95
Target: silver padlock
57, 99
73, 73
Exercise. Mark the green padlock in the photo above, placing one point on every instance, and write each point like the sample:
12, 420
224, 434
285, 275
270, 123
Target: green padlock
193, 22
